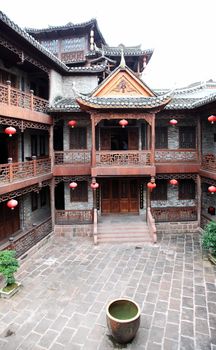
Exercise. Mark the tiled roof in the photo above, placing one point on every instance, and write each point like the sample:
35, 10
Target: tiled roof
123, 102
31, 40
128, 51
91, 69
65, 105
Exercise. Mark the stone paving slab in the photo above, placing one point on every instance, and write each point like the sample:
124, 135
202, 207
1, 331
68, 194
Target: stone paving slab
69, 282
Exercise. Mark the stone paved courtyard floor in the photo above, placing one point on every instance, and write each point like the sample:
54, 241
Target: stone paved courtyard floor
68, 283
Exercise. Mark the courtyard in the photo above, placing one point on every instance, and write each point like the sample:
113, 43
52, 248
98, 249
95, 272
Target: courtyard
68, 283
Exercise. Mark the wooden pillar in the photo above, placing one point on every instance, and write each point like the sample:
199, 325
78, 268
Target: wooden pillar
199, 199
32, 99
93, 142
153, 140
51, 152
52, 202
199, 140
8, 82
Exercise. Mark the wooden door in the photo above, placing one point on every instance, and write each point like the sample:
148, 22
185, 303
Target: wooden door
119, 196
13, 148
133, 138
9, 221
105, 139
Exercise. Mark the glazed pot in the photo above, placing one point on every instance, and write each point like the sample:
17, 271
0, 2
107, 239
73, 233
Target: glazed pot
123, 319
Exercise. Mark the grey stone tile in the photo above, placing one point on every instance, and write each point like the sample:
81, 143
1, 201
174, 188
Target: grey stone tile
187, 343
201, 326
170, 344
80, 336
187, 329
172, 331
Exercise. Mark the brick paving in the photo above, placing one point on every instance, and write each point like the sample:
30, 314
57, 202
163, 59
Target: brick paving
68, 283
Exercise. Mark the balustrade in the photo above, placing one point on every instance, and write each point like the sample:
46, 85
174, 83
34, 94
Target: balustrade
72, 157
123, 158
15, 97
13, 172
174, 214
208, 162
70, 217
175, 155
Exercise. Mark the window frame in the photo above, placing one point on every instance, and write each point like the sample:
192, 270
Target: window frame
80, 193
160, 193
184, 190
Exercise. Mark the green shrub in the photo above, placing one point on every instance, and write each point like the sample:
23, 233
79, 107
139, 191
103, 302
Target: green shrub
209, 237
8, 265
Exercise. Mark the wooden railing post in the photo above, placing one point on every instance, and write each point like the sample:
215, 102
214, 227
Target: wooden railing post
34, 165
10, 169
32, 100
8, 82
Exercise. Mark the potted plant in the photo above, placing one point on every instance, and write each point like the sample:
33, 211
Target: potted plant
209, 240
123, 319
8, 266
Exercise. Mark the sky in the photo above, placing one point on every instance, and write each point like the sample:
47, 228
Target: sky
181, 32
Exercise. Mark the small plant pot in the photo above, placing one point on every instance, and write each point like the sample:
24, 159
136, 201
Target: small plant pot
9, 294
123, 319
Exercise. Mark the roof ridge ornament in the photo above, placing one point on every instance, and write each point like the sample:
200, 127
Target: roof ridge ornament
122, 63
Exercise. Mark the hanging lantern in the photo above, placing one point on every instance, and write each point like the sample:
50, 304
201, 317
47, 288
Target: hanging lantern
10, 131
173, 182
173, 122
72, 123
151, 185
212, 189
123, 123
12, 204
94, 185
73, 185
212, 119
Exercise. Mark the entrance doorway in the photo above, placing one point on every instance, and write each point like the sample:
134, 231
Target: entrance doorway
119, 196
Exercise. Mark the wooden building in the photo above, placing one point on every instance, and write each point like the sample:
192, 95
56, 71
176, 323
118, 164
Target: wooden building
91, 139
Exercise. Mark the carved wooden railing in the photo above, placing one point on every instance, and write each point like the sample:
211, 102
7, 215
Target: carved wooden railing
174, 214
26, 240
13, 172
72, 157
175, 155
208, 162
123, 158
15, 97
71, 217
205, 220
151, 225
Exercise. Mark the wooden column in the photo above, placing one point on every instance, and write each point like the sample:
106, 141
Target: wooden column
199, 139
51, 152
199, 199
153, 140
93, 142
52, 202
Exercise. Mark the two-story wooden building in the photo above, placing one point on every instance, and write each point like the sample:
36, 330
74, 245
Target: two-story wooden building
83, 116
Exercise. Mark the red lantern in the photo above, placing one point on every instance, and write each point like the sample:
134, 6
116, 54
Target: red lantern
94, 185
151, 185
173, 122
12, 204
173, 182
212, 189
72, 123
212, 119
123, 123
10, 131
73, 185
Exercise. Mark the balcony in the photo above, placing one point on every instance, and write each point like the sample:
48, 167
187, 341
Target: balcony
177, 160
17, 98
123, 163
75, 162
22, 171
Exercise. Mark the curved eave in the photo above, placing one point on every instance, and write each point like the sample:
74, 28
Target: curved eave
123, 105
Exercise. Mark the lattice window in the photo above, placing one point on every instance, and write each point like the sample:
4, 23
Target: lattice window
51, 45
187, 189
73, 44
161, 137
78, 138
80, 193
187, 137
160, 192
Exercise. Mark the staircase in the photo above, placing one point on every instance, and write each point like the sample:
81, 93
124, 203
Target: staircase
122, 228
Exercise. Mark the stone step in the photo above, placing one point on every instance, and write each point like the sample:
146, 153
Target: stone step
114, 239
